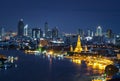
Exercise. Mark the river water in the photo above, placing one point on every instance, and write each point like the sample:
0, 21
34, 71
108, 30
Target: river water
42, 68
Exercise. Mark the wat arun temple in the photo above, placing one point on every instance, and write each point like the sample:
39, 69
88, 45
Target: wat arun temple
78, 49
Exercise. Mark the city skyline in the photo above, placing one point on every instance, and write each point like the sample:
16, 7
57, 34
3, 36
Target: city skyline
72, 14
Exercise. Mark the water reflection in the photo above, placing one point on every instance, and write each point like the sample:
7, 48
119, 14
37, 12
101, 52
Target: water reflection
91, 69
43, 67
8, 62
80, 68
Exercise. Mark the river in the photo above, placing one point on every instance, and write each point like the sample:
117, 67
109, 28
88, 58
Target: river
42, 68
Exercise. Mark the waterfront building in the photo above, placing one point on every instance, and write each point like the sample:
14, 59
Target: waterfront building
78, 47
71, 48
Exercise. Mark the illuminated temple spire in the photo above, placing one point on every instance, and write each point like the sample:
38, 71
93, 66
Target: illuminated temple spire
78, 47
71, 48
85, 49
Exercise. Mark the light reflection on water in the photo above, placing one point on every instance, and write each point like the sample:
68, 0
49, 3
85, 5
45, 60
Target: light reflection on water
90, 70
45, 68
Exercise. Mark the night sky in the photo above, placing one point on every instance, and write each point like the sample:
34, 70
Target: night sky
67, 15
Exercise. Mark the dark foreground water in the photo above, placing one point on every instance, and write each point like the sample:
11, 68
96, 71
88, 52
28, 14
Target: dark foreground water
42, 68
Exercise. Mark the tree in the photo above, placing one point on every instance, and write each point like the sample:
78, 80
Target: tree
110, 70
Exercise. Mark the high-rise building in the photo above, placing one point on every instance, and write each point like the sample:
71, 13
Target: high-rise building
92, 34
55, 32
37, 33
30, 32
21, 28
89, 32
2, 33
81, 33
49, 33
46, 29
26, 30
109, 33
99, 31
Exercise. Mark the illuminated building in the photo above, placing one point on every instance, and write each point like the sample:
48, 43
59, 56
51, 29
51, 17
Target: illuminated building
71, 48
49, 34
81, 32
85, 48
55, 32
78, 49
118, 56
37, 33
109, 33
99, 31
30, 32
21, 28
2, 33
89, 33
26, 30
78, 46
43, 42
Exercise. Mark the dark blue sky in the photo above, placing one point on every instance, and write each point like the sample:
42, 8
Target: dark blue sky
68, 15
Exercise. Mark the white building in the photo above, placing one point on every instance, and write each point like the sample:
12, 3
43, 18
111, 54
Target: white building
99, 31
26, 30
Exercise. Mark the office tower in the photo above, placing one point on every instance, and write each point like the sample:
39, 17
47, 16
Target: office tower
2, 33
26, 30
99, 31
29, 32
21, 28
55, 32
81, 33
89, 32
37, 33
109, 33
49, 33
92, 34
46, 29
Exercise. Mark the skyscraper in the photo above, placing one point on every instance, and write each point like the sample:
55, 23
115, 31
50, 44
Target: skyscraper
37, 33
81, 33
2, 33
55, 32
89, 32
26, 30
21, 28
46, 29
99, 31
109, 33
30, 32
49, 32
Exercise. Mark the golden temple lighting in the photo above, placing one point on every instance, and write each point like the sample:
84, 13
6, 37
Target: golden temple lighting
78, 47
71, 48
85, 49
